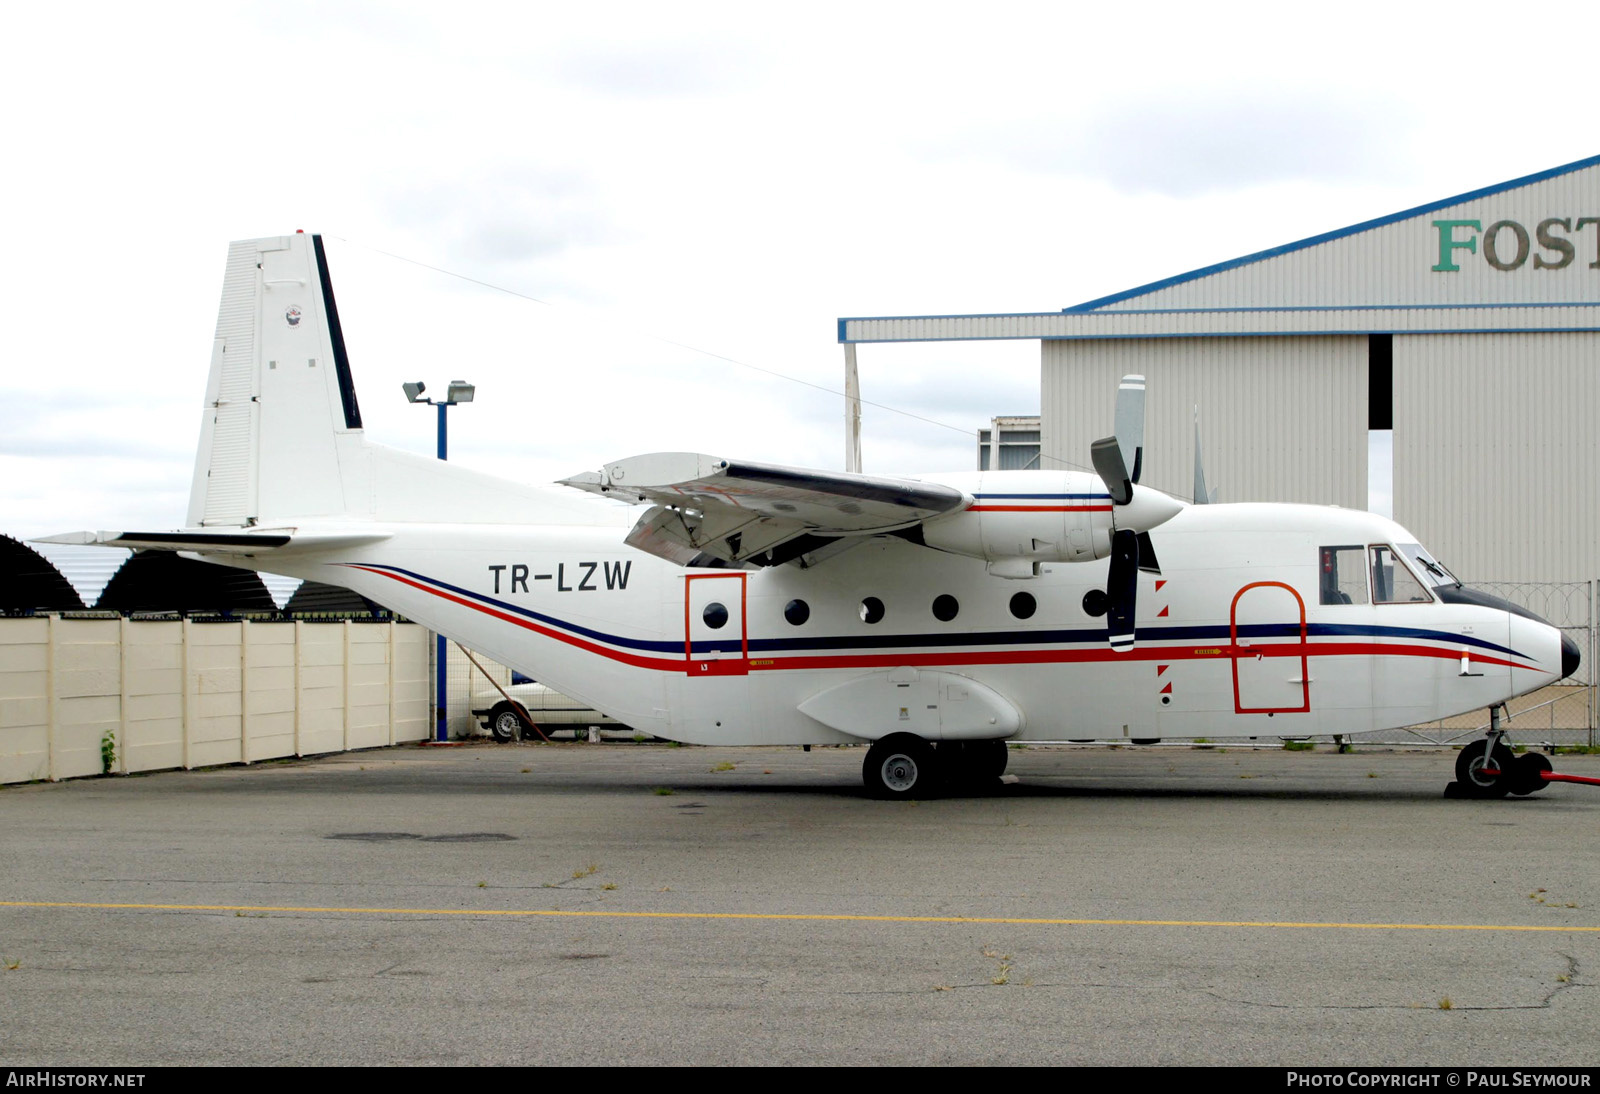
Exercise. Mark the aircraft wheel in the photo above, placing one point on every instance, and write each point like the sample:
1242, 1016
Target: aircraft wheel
1471, 761
901, 766
989, 759
506, 724
971, 763
1527, 777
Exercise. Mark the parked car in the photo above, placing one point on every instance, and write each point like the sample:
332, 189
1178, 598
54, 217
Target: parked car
552, 710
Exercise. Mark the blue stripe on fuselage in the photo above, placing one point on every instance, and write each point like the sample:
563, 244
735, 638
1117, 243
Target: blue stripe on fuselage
1211, 633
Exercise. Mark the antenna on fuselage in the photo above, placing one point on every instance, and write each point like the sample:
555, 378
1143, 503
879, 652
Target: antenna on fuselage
1201, 495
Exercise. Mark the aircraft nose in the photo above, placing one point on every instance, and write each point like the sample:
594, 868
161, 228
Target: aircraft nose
1570, 657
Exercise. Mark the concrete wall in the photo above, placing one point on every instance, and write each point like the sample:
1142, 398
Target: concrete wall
189, 694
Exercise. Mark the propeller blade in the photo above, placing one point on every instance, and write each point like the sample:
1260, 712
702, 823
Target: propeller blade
1122, 588
1106, 455
1130, 423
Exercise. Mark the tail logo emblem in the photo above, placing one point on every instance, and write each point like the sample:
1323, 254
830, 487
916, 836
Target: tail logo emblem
292, 315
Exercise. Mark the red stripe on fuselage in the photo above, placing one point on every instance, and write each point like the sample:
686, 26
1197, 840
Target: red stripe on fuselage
660, 663
1038, 509
1141, 653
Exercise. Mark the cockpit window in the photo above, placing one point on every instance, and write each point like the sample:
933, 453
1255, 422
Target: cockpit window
1430, 569
1342, 574
1392, 581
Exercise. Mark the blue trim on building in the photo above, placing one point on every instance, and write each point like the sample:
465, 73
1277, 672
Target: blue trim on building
1351, 307
1338, 233
1329, 332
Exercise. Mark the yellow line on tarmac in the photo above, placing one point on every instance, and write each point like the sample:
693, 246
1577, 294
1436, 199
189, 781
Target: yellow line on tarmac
803, 917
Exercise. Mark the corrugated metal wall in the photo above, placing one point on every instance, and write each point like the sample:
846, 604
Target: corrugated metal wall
1496, 452
184, 694
1281, 419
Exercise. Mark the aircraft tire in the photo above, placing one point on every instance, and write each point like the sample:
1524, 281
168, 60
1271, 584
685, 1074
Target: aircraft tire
900, 767
1474, 757
506, 724
971, 763
1527, 776
988, 759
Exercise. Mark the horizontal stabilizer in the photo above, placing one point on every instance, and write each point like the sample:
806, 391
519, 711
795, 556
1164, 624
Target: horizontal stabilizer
234, 541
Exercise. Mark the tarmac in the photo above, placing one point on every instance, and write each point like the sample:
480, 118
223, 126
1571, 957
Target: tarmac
646, 904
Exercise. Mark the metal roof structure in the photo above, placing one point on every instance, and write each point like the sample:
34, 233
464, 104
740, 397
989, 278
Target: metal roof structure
1378, 276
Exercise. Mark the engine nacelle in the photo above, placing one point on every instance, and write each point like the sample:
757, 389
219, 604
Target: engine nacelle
1020, 519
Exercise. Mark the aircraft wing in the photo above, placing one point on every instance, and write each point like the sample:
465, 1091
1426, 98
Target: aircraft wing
738, 511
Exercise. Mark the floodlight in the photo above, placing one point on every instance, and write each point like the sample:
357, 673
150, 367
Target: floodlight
460, 392
414, 391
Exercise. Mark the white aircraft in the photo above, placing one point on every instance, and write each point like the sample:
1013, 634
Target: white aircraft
937, 618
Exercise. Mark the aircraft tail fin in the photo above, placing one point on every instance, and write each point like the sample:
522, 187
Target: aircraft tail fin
281, 440
280, 397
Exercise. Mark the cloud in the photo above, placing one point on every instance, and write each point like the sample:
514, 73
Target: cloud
1188, 143
656, 71
513, 211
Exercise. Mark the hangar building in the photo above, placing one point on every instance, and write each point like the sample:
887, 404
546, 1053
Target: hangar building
1470, 326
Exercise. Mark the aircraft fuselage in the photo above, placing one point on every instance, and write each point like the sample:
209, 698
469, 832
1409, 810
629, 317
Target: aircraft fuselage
1233, 638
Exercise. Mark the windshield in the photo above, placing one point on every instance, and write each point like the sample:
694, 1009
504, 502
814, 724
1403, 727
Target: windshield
1432, 571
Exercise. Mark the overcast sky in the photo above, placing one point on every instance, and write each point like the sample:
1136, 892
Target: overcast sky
681, 185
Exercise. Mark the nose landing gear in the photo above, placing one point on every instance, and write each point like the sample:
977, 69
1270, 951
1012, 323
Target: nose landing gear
1489, 769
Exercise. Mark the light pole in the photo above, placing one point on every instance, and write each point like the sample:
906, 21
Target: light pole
459, 392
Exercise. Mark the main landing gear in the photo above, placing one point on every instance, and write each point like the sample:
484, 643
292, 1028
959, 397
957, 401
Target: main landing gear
904, 766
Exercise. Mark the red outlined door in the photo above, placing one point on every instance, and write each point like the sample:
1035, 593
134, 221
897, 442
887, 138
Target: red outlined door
715, 641
1270, 667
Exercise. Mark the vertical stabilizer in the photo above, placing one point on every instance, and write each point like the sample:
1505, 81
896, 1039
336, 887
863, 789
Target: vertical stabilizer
280, 407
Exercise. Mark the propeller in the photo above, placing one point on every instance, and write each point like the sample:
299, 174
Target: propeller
1134, 513
1122, 588
1129, 423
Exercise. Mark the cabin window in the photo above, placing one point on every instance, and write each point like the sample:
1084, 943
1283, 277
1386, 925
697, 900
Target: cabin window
1023, 605
945, 607
715, 615
797, 612
1392, 582
871, 609
1342, 574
